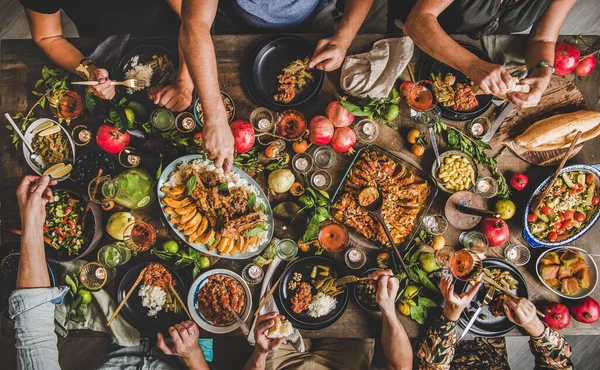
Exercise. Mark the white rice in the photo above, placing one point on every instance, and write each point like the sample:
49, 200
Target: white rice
141, 72
321, 305
153, 298
233, 180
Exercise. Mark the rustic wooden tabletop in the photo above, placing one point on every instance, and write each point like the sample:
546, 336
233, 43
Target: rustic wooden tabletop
21, 62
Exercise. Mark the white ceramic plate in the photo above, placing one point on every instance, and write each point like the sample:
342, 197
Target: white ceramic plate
29, 137
591, 265
192, 302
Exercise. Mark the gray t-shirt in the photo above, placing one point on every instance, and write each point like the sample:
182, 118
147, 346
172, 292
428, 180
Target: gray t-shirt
275, 14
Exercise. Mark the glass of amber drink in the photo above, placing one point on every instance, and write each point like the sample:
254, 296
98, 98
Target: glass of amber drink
465, 265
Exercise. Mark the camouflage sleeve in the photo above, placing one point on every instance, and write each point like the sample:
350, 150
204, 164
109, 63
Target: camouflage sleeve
551, 351
437, 351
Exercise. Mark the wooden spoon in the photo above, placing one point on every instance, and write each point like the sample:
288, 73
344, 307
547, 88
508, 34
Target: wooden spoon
137, 282
535, 204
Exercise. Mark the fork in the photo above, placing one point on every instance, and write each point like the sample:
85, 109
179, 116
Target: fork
132, 83
349, 279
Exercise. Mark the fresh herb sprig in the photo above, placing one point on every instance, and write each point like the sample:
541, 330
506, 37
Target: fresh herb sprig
317, 203
183, 258
77, 307
381, 110
477, 149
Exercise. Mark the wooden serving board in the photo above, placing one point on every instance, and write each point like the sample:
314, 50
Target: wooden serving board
561, 96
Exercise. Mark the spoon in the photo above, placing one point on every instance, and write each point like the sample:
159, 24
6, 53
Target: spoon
371, 200
241, 322
33, 155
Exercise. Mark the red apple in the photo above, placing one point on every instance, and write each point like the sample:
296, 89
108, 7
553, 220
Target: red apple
557, 315
243, 135
321, 130
586, 310
586, 65
495, 230
338, 115
566, 57
110, 139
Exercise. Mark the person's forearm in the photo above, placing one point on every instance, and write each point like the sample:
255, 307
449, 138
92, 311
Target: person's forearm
196, 361
183, 73
61, 52
33, 272
355, 13
396, 345
429, 36
257, 361
538, 51
200, 56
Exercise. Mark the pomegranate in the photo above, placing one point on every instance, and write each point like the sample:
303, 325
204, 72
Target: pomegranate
338, 115
586, 65
585, 310
321, 130
343, 139
243, 135
557, 315
495, 230
110, 139
566, 57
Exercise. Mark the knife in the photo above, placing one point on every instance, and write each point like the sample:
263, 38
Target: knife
462, 207
486, 301
501, 117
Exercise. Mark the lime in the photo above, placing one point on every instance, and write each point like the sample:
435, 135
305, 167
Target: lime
50, 130
410, 291
42, 127
171, 246
204, 262
86, 297
130, 114
144, 202
392, 112
427, 262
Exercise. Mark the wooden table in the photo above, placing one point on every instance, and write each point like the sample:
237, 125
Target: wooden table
21, 62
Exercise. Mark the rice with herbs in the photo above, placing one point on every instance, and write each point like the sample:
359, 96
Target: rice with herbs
321, 305
153, 298
141, 72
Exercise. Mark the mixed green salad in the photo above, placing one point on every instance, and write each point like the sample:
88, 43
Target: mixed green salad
571, 202
63, 227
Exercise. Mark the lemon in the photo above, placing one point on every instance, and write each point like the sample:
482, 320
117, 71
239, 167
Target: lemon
438, 242
404, 308
50, 130
410, 291
144, 202
42, 127
58, 170
130, 114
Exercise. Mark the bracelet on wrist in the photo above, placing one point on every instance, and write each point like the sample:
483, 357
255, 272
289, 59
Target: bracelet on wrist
540, 65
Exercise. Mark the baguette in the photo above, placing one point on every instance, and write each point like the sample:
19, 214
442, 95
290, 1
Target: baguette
558, 131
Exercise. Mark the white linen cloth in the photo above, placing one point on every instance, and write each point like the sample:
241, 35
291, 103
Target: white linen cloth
295, 339
373, 74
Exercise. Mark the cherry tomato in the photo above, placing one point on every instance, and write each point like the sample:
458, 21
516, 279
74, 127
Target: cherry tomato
566, 224
573, 191
68, 210
580, 187
589, 178
546, 210
561, 232
579, 217
552, 236
558, 191
532, 217
561, 217
556, 226
568, 215
595, 201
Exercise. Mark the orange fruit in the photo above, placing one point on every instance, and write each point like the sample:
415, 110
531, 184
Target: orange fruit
300, 146
418, 150
413, 135
272, 151
108, 205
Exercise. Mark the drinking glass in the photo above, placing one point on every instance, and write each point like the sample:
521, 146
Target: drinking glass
114, 255
465, 265
333, 236
66, 103
302, 162
474, 241
81, 135
320, 179
435, 224
262, 119
487, 187
94, 276
324, 157
367, 130
128, 157
355, 258
162, 119
517, 254
421, 98
286, 249
139, 236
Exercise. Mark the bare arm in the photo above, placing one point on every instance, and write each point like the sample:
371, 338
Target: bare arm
330, 52
200, 56
540, 47
264, 345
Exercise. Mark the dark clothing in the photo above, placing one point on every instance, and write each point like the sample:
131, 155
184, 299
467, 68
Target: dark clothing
111, 17
465, 16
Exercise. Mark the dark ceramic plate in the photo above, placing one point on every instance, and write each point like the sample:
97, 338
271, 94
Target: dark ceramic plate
491, 326
266, 62
374, 307
283, 294
137, 315
146, 54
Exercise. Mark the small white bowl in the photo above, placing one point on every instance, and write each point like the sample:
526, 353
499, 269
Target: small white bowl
29, 135
592, 267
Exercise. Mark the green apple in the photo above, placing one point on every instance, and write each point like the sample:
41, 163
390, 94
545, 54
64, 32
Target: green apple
505, 208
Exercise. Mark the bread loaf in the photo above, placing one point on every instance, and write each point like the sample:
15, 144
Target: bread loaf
558, 131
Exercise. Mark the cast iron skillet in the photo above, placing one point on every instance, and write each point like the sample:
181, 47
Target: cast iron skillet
266, 62
283, 294
492, 326
430, 66
137, 315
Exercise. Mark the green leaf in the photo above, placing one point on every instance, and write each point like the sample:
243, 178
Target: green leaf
194, 254
412, 271
224, 188
417, 314
36, 93
118, 117
182, 263
255, 231
191, 184
262, 207
159, 170
71, 284
122, 101
426, 303
424, 279
163, 255
251, 200
452, 138
196, 272
138, 108
312, 229
356, 109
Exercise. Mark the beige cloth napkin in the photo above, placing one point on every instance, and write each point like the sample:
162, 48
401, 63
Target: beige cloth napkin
295, 339
96, 315
373, 74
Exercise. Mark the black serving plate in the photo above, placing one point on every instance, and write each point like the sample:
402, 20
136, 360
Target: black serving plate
375, 306
283, 294
434, 66
492, 326
266, 62
137, 315
145, 53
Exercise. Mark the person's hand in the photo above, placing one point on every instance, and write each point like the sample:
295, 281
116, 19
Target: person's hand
491, 78
538, 81
32, 195
185, 341
329, 54
455, 304
523, 313
265, 344
387, 290
175, 97
218, 142
104, 89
